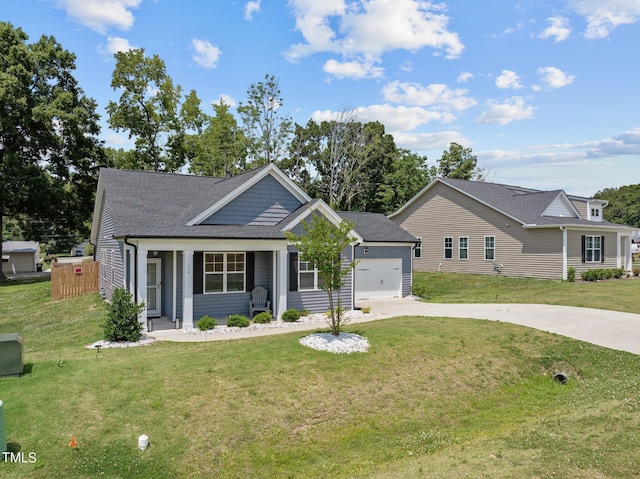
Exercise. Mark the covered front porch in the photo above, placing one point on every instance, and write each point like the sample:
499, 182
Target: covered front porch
182, 281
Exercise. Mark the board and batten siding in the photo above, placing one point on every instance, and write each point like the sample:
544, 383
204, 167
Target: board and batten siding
574, 250
444, 212
265, 203
109, 253
383, 252
318, 301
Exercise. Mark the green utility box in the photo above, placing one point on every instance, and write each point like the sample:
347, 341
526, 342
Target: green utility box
11, 355
3, 432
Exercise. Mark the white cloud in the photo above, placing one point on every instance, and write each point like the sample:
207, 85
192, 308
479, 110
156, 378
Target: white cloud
250, 8
513, 109
437, 95
365, 30
559, 29
605, 16
429, 141
554, 77
508, 79
464, 77
626, 143
206, 55
353, 69
115, 45
99, 15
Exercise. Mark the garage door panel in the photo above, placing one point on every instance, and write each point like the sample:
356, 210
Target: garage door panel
378, 278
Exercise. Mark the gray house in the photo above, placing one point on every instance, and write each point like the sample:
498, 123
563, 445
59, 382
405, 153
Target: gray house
488, 228
190, 246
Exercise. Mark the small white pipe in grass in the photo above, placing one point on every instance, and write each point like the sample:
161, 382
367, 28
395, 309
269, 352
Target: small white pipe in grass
143, 442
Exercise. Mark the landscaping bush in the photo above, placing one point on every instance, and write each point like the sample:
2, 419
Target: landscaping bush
291, 315
262, 318
305, 312
237, 320
366, 309
206, 323
122, 321
600, 274
636, 271
571, 274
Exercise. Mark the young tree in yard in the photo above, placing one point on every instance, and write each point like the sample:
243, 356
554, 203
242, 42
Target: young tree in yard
322, 244
266, 130
49, 147
147, 107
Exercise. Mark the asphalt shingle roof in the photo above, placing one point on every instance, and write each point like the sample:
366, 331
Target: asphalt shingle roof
377, 227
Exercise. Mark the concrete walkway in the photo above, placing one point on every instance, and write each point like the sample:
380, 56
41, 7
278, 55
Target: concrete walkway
605, 328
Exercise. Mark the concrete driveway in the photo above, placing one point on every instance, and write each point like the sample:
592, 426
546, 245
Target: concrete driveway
611, 329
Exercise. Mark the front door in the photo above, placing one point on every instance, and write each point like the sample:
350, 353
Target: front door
154, 291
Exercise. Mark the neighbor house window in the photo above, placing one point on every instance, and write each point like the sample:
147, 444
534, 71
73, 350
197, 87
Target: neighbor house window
592, 249
417, 251
308, 277
448, 248
224, 272
463, 247
490, 247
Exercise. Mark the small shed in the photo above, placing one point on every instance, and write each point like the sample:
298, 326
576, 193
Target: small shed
20, 256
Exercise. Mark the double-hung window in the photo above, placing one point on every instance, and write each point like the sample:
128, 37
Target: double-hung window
490, 248
308, 277
224, 272
592, 249
448, 247
417, 251
463, 247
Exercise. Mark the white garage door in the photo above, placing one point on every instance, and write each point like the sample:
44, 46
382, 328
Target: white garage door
378, 278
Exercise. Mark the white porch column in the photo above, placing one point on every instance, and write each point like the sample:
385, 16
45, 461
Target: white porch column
187, 288
141, 282
564, 253
282, 287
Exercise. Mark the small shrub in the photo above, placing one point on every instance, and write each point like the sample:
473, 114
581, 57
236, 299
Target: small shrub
366, 309
238, 321
571, 274
291, 315
305, 312
602, 273
636, 271
122, 320
206, 323
262, 318
420, 289
339, 312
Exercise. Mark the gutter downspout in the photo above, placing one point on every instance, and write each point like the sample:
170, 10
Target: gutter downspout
564, 253
135, 268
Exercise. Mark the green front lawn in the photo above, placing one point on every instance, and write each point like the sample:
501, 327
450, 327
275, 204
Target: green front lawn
616, 295
434, 397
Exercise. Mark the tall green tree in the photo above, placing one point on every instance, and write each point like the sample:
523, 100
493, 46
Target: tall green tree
266, 129
220, 149
147, 108
460, 162
624, 205
322, 244
49, 150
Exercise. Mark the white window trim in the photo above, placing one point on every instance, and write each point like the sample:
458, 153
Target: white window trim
444, 249
460, 248
418, 247
592, 249
224, 272
113, 267
316, 276
486, 248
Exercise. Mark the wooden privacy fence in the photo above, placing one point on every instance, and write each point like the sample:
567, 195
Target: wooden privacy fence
73, 279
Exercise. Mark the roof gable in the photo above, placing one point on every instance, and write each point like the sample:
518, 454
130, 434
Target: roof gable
241, 184
561, 207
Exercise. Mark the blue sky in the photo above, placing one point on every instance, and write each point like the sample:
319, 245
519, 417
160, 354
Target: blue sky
546, 93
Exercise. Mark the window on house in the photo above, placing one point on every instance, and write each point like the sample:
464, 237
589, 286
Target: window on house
490, 248
595, 212
463, 247
224, 272
113, 267
308, 277
448, 248
592, 249
417, 251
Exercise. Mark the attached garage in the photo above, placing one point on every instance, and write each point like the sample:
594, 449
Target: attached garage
378, 278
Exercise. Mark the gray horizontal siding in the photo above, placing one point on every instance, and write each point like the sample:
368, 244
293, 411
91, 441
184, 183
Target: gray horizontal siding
266, 203
112, 265
444, 212
318, 301
220, 306
381, 252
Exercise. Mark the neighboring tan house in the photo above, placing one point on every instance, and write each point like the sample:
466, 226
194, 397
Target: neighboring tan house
189, 246
488, 228
20, 256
